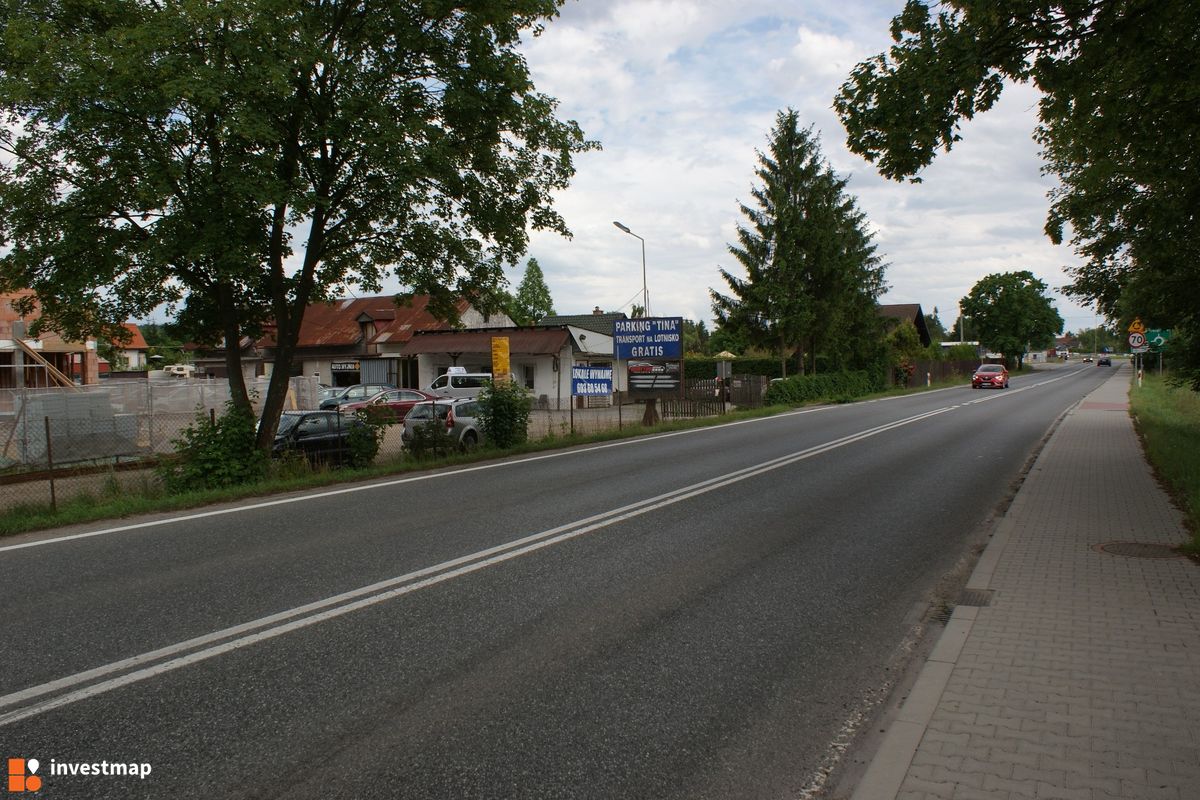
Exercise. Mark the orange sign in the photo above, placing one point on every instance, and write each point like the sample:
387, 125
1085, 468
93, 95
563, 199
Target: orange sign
500, 366
1136, 326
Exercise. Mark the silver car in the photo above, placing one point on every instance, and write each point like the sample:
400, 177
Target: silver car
459, 417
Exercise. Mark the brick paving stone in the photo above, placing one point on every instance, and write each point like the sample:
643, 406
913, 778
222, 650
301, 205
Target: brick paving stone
1078, 681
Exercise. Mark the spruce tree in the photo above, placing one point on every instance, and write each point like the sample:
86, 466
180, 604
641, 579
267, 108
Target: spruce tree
812, 275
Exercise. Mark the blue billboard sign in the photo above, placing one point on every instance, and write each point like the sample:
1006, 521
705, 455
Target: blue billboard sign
589, 381
648, 337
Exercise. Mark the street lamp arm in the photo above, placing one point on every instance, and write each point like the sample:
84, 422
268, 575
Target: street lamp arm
645, 291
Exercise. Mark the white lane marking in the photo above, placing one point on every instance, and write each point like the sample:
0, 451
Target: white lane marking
395, 482
363, 597
441, 474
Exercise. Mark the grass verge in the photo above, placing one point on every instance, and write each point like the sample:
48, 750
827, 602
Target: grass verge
1168, 421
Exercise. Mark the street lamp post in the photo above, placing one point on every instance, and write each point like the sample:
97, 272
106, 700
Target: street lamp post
645, 293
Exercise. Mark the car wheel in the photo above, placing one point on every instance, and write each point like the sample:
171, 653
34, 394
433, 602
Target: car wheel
469, 441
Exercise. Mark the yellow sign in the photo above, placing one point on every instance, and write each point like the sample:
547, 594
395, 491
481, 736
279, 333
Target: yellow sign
500, 367
1136, 326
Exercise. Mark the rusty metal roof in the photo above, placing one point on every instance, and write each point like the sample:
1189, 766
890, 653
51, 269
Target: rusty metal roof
337, 323
521, 341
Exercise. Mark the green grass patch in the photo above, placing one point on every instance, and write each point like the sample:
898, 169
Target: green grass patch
1168, 420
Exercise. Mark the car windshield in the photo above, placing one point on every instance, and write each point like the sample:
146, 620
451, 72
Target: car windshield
989, 368
286, 423
425, 411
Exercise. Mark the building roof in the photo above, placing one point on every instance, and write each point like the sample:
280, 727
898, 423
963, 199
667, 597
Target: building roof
597, 323
530, 341
136, 341
340, 322
912, 313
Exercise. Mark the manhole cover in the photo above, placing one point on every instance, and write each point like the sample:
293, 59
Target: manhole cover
1139, 550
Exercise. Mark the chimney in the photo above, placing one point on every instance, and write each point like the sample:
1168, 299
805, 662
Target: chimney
596, 312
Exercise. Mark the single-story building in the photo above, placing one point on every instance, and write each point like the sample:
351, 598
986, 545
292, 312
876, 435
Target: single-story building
540, 356
353, 340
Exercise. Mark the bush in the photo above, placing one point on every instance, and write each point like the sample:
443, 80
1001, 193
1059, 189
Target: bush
838, 387
430, 439
215, 453
504, 413
363, 439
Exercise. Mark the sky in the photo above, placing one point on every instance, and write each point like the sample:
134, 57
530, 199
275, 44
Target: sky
681, 94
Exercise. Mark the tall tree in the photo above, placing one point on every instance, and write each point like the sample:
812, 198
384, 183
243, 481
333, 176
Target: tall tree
1117, 126
695, 337
1012, 314
246, 159
937, 331
532, 300
811, 268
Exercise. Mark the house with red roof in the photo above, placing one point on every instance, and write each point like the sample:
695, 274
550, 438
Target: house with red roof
352, 340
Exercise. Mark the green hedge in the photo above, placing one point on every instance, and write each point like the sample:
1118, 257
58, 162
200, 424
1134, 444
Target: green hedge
832, 386
706, 368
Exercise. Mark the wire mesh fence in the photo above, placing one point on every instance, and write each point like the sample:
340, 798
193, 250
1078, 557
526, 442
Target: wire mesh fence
56, 444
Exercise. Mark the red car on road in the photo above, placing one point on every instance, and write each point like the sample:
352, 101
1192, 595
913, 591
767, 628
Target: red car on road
993, 376
391, 406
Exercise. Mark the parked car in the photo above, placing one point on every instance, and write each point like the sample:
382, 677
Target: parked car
459, 416
321, 436
1104, 361
990, 375
350, 394
391, 406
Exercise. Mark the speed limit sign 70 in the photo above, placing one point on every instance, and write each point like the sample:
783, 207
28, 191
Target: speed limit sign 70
1137, 339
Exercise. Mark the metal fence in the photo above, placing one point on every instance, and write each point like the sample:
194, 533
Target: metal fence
59, 443
100, 437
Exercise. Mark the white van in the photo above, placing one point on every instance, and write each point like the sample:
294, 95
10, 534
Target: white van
460, 384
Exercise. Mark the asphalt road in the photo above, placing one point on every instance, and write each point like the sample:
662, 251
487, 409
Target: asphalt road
692, 615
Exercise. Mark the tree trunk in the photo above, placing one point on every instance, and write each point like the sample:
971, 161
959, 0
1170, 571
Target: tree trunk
227, 309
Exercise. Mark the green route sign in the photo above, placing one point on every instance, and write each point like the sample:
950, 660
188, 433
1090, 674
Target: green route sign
1157, 338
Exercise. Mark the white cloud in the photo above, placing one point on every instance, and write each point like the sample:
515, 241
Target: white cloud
681, 93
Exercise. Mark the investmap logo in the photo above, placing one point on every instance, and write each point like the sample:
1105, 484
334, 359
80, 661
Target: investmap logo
22, 775
23, 772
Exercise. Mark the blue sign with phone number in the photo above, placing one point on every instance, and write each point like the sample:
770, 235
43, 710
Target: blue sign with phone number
591, 381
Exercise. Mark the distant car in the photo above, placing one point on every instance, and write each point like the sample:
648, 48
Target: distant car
1104, 361
459, 416
391, 406
1087, 359
993, 376
321, 436
350, 394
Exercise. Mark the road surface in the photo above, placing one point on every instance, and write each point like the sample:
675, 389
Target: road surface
698, 614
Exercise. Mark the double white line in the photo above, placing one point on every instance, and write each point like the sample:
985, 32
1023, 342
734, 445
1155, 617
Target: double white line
93, 682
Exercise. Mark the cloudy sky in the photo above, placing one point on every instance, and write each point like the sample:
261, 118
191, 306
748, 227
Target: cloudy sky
681, 94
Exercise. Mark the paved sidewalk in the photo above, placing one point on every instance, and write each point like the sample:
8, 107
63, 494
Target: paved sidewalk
1076, 672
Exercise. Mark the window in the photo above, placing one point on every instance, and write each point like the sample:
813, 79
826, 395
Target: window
530, 371
467, 381
311, 426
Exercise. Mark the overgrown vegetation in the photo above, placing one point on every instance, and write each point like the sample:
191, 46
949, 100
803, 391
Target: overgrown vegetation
215, 452
504, 413
1168, 419
833, 386
431, 440
363, 439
